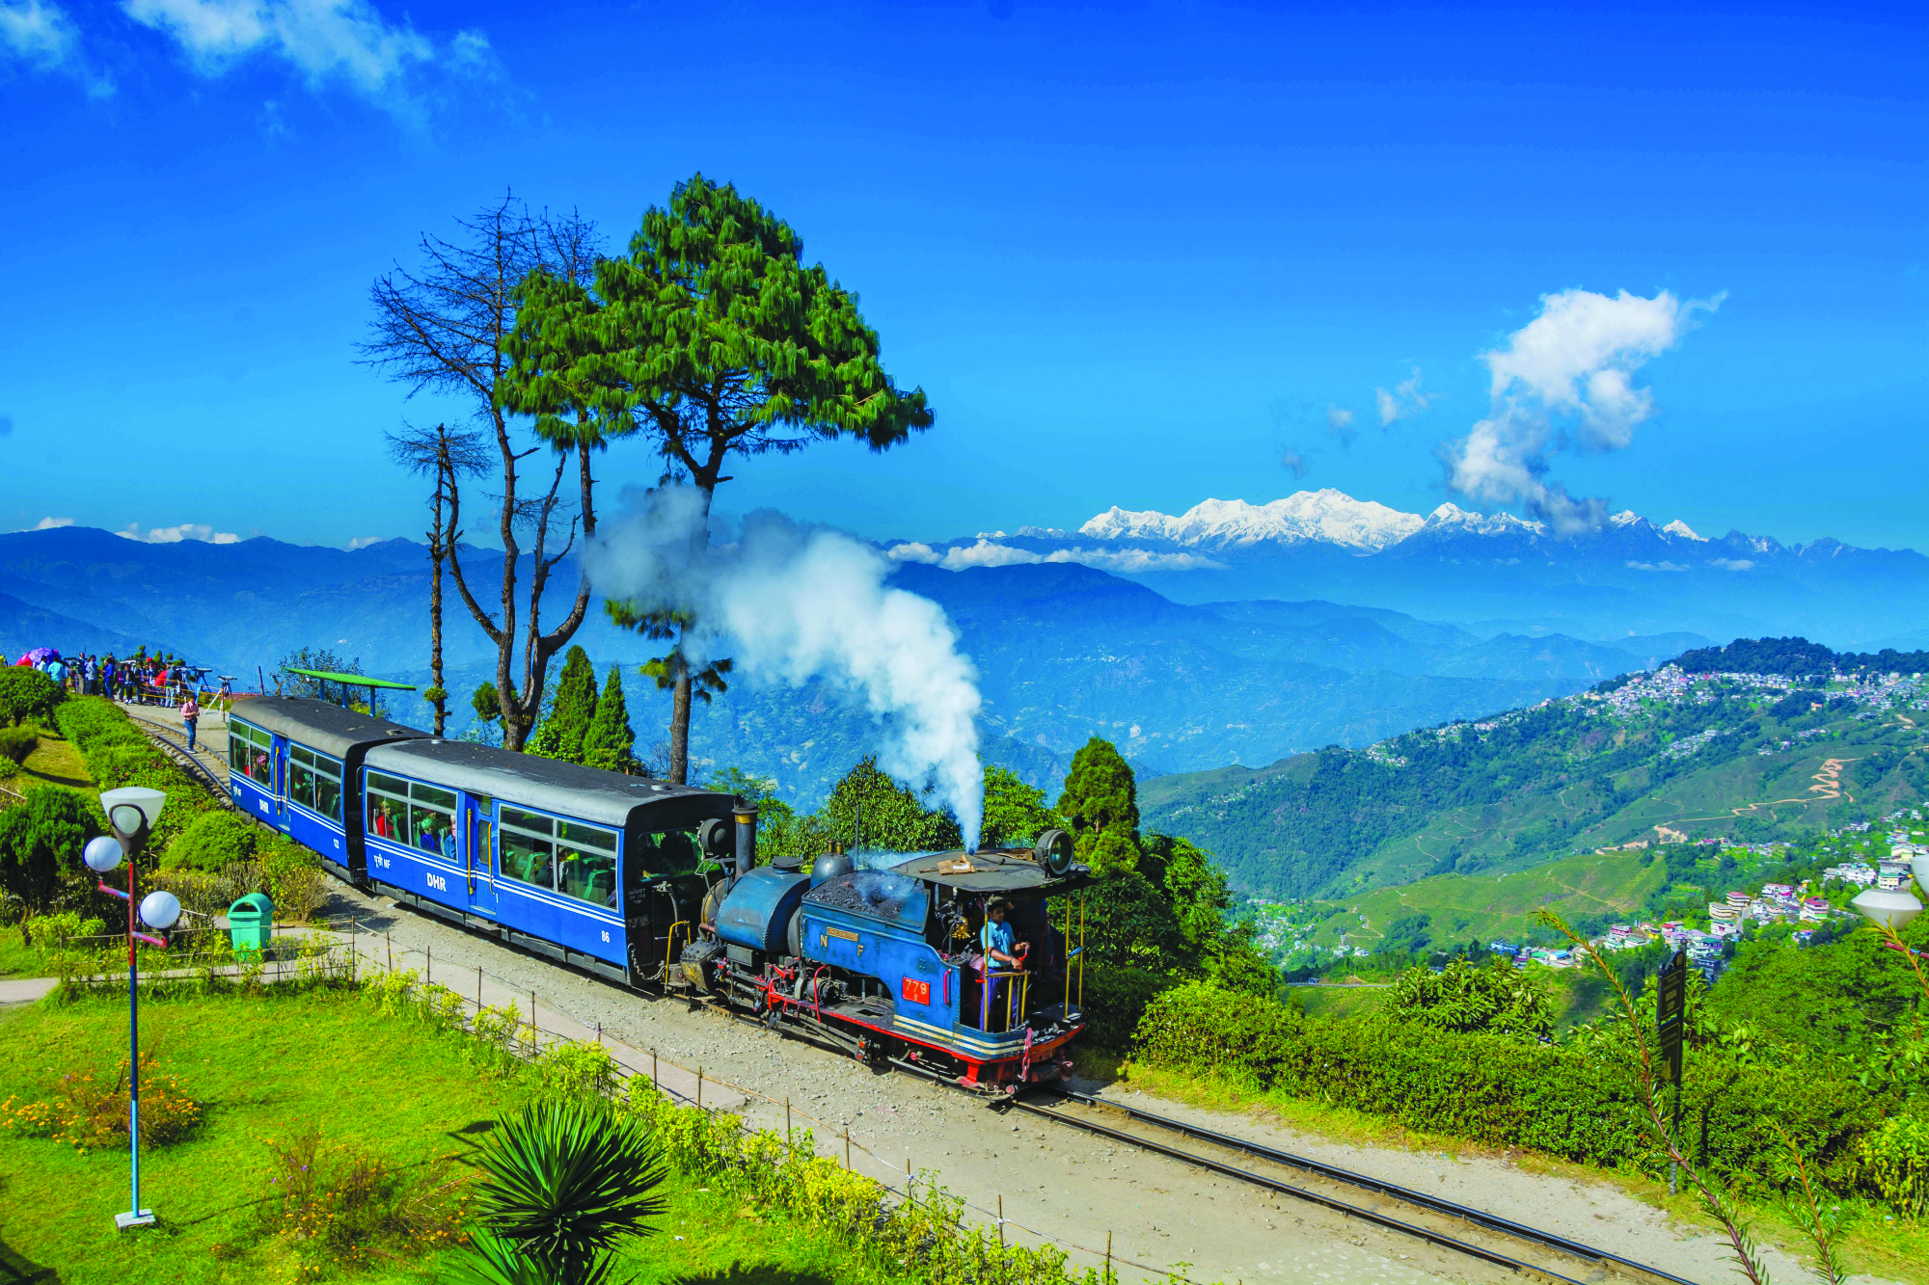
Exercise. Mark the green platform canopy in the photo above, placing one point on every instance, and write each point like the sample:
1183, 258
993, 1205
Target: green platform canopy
349, 680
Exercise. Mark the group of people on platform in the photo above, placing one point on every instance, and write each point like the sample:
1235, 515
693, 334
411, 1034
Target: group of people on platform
139, 679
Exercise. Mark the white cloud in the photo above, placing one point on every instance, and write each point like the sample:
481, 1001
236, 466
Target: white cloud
986, 554
1733, 564
363, 541
1136, 560
1404, 402
42, 36
346, 42
1656, 566
1339, 422
1295, 463
176, 534
1566, 381
51, 524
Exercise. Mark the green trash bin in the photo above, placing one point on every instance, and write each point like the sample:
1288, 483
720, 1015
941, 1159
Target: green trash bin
251, 922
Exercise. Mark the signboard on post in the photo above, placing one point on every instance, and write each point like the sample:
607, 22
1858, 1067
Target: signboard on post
1671, 1013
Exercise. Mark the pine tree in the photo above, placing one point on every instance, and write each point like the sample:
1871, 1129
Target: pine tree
609, 739
1101, 793
574, 710
713, 336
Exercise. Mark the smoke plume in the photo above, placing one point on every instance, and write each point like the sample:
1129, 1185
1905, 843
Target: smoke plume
1565, 381
790, 603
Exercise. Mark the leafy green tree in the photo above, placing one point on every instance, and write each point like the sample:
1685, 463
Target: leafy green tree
573, 710
1102, 799
562, 1184
1015, 813
1496, 999
608, 741
714, 337
40, 843
1409, 933
878, 813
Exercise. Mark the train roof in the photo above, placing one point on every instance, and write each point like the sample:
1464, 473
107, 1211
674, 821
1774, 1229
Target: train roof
568, 789
328, 728
1004, 870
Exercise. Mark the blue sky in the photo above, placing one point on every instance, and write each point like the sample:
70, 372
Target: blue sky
1136, 254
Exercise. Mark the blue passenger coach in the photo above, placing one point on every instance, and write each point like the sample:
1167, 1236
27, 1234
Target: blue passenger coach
294, 764
600, 870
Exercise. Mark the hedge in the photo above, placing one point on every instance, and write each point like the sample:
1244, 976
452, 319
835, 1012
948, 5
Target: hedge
1565, 1100
118, 753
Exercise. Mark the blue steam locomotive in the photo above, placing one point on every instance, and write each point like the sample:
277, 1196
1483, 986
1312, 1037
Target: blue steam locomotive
658, 887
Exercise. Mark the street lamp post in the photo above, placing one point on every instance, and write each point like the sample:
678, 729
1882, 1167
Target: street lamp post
131, 814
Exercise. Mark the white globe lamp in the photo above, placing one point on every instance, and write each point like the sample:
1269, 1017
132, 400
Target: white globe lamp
102, 854
160, 909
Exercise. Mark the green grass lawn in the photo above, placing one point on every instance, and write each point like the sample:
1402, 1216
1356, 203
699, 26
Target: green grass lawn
54, 759
263, 1067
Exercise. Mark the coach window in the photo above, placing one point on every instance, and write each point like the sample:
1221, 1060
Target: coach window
666, 852
432, 820
388, 807
328, 787
248, 753
526, 847
586, 862
301, 776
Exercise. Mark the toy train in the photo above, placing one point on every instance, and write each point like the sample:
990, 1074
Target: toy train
658, 887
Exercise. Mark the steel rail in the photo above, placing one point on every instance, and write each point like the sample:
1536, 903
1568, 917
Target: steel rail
1433, 1204
194, 766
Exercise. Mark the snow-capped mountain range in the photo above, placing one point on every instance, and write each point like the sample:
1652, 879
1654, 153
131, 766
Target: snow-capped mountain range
1455, 564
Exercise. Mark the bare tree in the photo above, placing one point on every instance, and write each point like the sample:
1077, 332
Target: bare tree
448, 456
441, 328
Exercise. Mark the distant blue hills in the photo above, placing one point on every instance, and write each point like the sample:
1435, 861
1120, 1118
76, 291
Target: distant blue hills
1065, 650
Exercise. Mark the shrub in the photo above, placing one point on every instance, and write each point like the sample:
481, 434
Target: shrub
117, 753
27, 693
571, 1069
1573, 1101
1895, 1158
1498, 999
8, 768
17, 742
90, 1111
347, 1205
41, 841
60, 930
1115, 1001
213, 840
294, 878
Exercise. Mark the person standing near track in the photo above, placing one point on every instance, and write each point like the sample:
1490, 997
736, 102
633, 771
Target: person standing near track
190, 716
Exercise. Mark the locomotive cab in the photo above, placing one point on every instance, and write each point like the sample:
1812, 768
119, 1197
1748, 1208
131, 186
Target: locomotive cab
882, 955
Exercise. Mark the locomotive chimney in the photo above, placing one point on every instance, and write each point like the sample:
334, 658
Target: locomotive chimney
746, 815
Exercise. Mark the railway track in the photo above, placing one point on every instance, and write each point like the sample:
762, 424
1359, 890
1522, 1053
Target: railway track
1443, 1223
189, 763
1456, 1228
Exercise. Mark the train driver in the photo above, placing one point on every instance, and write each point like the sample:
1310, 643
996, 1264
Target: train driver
1000, 943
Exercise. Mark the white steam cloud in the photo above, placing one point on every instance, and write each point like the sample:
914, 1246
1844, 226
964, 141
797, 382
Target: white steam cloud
789, 604
1565, 381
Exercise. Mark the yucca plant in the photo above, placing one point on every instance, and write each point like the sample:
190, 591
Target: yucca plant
563, 1182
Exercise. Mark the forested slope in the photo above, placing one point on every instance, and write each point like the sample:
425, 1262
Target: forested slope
1745, 756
